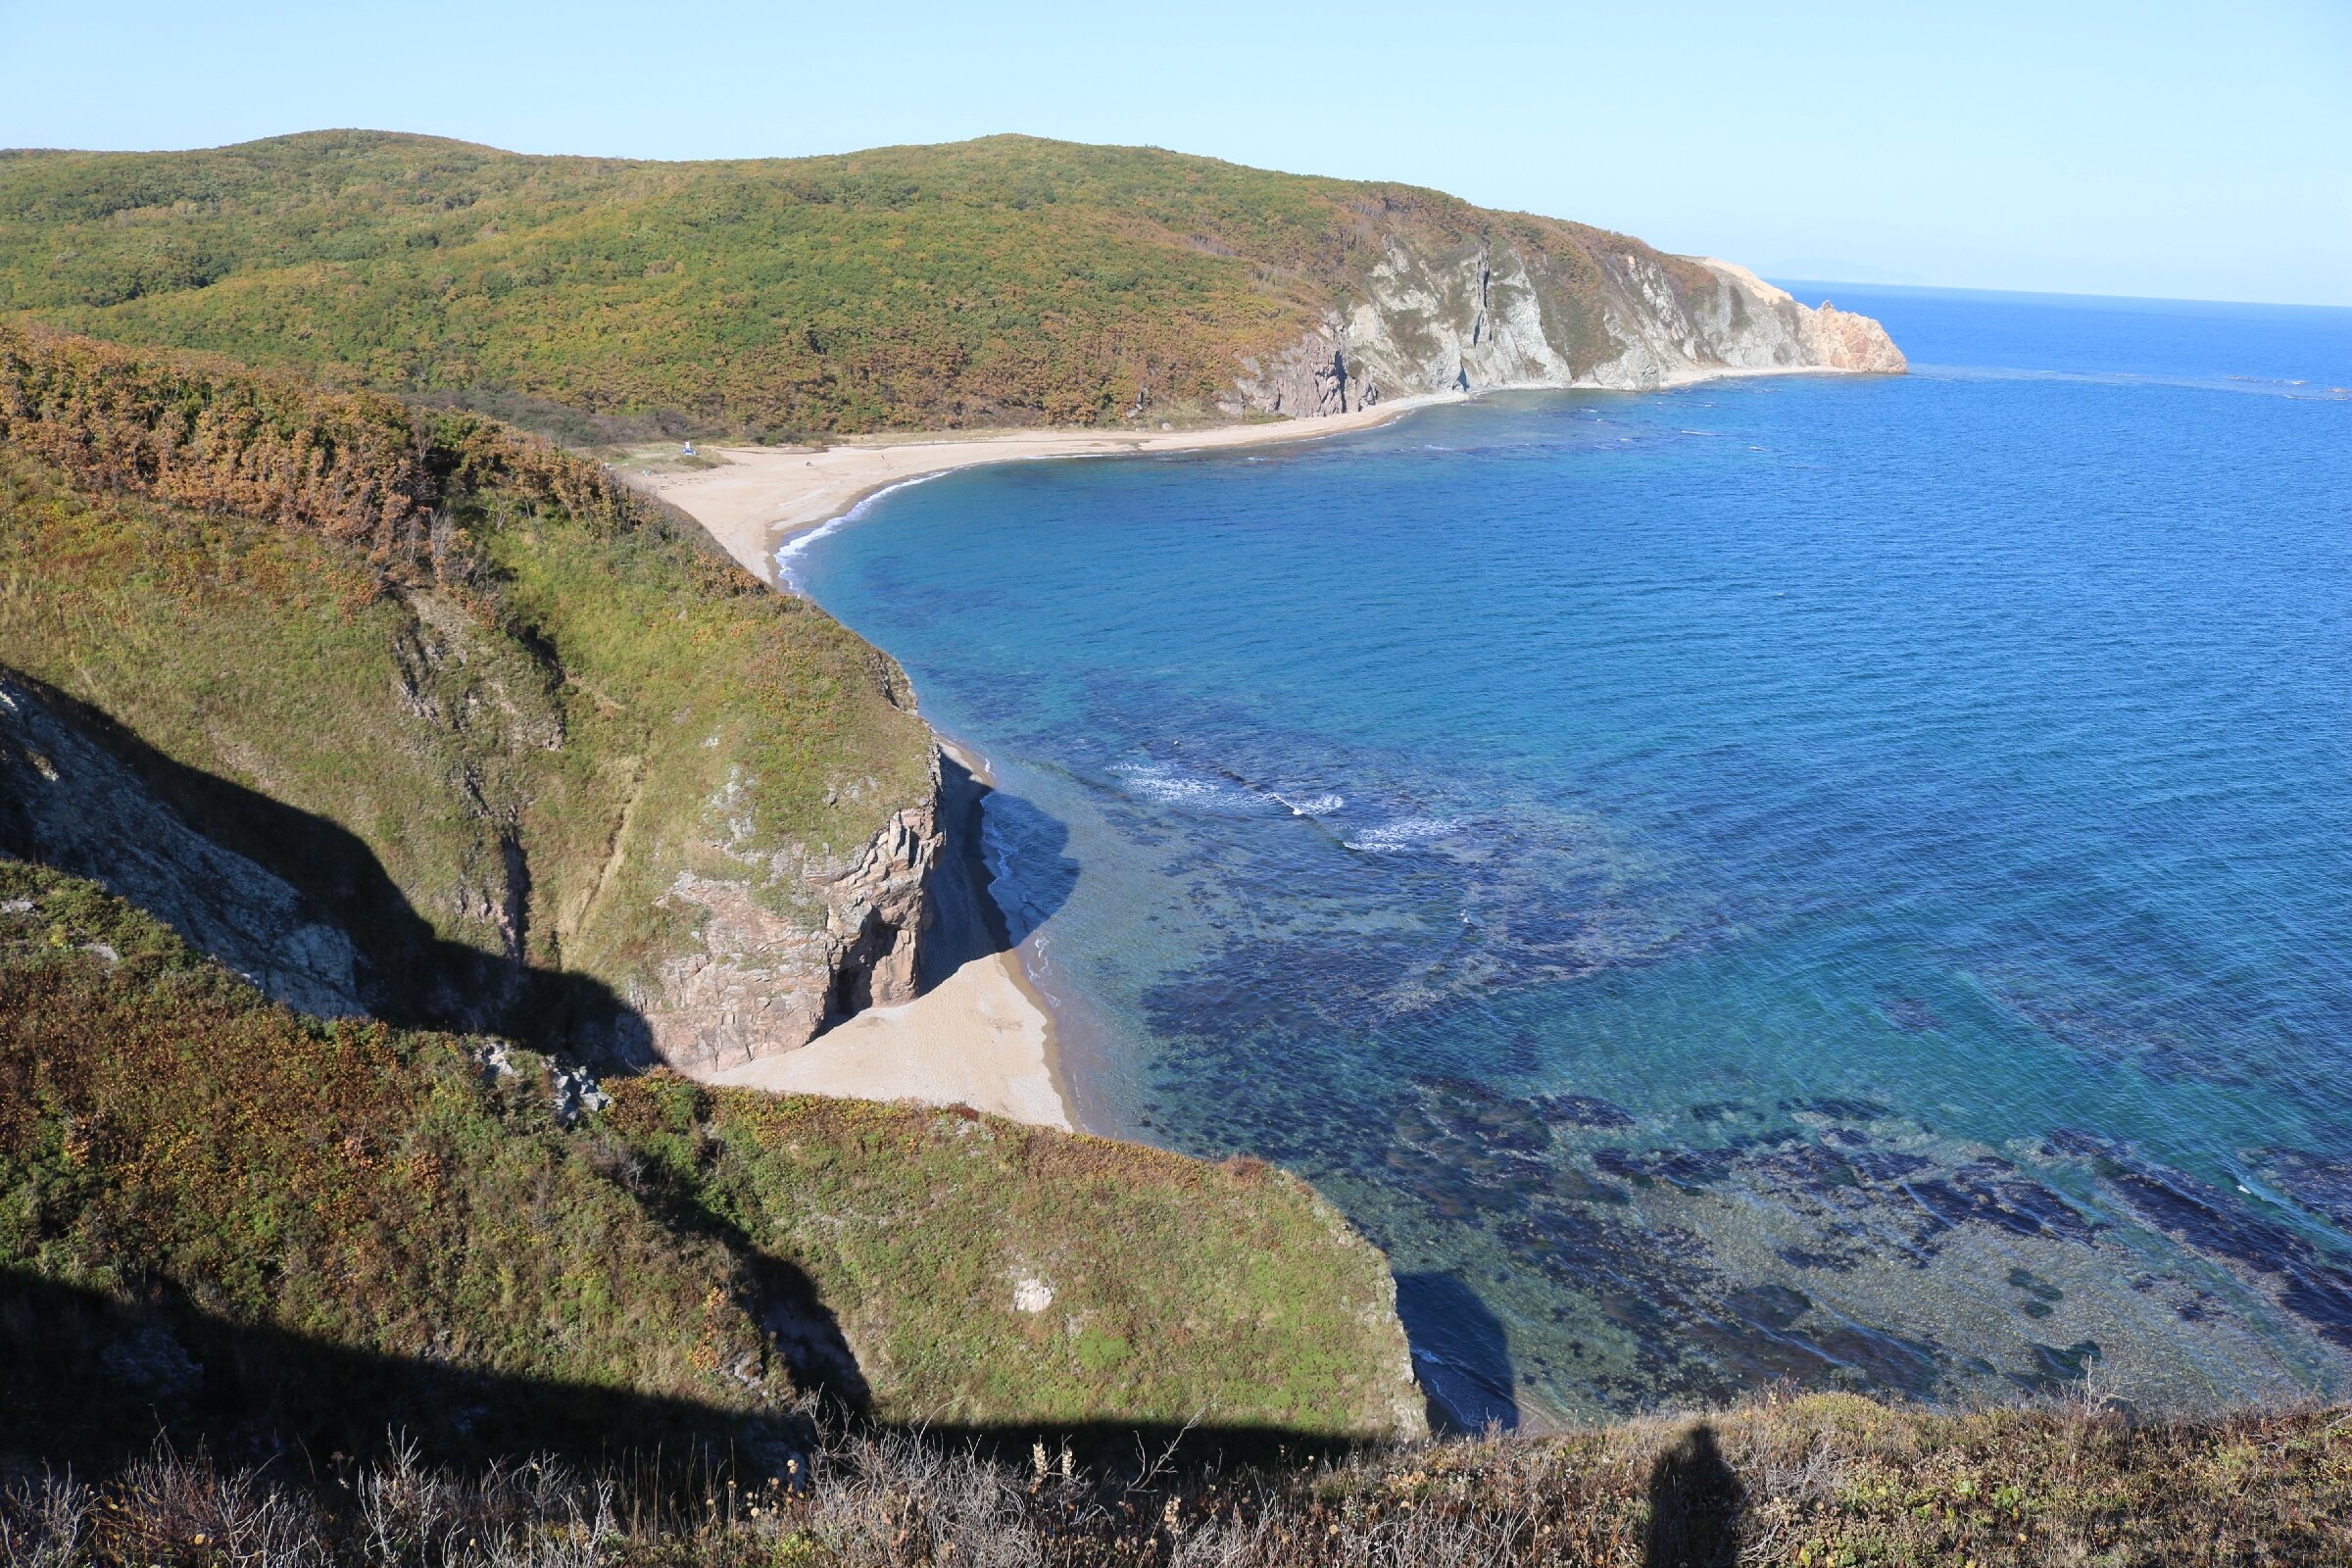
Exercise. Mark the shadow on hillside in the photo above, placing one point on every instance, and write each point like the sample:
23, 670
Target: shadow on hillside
410, 976
1695, 1500
1461, 1353
91, 1380
976, 916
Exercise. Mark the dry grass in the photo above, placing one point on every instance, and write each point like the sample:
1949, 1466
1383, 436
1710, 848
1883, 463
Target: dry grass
1820, 1480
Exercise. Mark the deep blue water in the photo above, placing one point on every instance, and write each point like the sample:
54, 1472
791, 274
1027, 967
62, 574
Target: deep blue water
1834, 880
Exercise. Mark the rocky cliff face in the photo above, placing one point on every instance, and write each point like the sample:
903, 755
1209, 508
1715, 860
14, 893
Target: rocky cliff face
1555, 306
72, 803
791, 943
781, 943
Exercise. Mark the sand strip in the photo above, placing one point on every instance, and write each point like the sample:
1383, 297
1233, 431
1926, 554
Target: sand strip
759, 496
978, 1038
979, 1034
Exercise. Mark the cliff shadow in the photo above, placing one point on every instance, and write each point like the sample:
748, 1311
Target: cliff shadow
978, 915
182, 844
792, 1310
94, 1378
1461, 1353
1695, 1503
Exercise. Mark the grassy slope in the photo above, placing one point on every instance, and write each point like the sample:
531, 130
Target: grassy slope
1007, 279
266, 651
163, 1128
1229, 1293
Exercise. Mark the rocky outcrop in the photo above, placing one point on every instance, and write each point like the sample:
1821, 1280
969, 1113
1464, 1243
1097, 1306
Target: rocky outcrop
1553, 306
1309, 382
790, 942
69, 801
1845, 341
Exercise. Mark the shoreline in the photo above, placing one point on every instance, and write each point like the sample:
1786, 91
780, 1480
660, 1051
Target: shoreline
982, 1033
758, 497
979, 1034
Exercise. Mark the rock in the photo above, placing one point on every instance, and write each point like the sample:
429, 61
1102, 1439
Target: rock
762, 977
1311, 380
67, 800
574, 1093
1032, 1296
1497, 315
1844, 341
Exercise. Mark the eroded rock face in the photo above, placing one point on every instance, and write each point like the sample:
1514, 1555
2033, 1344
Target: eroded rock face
1845, 341
1309, 382
1495, 316
67, 800
792, 944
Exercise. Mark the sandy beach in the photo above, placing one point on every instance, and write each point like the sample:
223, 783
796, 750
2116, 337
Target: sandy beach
759, 496
979, 1034
978, 1038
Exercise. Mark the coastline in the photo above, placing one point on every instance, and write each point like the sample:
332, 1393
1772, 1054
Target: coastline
760, 497
981, 1033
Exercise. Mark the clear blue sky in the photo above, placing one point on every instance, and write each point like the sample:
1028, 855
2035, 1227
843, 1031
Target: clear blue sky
2188, 150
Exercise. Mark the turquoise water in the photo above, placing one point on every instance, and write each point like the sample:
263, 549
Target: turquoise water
1836, 881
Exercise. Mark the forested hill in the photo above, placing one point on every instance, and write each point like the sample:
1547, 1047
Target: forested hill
1007, 280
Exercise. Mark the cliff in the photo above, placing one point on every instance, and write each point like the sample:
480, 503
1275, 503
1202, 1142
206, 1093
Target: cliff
358, 766
1009, 280
1549, 306
259, 1233
414, 716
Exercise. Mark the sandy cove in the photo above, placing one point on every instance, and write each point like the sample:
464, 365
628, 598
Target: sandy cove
979, 1034
760, 497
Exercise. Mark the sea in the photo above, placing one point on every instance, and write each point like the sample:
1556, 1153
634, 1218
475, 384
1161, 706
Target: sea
1797, 882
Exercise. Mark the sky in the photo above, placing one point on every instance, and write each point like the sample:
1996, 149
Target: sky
2197, 151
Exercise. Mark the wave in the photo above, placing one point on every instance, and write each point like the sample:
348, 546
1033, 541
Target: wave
1404, 835
1167, 784
1311, 805
2257, 385
790, 550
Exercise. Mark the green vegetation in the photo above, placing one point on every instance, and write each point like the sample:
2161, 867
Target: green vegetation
1007, 280
1822, 1482
170, 1140
400, 1218
1179, 1290
466, 692
482, 705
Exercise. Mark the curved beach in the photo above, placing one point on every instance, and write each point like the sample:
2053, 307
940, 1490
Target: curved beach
980, 1034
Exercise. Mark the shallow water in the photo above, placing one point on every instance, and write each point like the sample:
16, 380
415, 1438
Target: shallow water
1844, 881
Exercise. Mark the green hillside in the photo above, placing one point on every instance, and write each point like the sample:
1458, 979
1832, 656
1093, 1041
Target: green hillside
1004, 280
259, 1227
465, 694
417, 716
